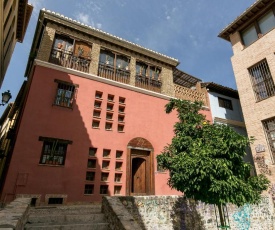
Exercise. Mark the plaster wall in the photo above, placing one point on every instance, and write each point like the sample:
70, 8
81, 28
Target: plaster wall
144, 117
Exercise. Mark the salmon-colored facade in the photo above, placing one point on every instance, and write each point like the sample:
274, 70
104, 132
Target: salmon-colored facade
106, 138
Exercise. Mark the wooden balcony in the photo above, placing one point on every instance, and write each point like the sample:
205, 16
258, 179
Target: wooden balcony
68, 60
109, 72
148, 83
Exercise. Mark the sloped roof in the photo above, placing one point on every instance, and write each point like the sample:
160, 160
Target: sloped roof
184, 79
245, 17
214, 87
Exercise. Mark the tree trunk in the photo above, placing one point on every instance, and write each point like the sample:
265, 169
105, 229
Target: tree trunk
221, 214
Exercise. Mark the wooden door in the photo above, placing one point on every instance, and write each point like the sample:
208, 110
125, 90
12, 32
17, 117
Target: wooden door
138, 175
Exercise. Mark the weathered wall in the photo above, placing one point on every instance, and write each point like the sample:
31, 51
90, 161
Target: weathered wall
175, 212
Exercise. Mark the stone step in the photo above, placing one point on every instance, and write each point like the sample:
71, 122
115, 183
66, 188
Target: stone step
67, 209
77, 226
66, 218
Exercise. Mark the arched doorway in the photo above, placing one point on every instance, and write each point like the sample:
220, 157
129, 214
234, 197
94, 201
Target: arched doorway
140, 167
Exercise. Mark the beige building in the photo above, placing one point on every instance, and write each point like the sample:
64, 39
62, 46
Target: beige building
14, 19
252, 36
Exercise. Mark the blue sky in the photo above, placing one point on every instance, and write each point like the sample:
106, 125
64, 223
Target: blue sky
182, 29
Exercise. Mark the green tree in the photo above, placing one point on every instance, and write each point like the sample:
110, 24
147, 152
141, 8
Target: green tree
205, 160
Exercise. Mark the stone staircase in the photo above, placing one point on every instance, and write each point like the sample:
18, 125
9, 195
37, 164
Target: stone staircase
67, 217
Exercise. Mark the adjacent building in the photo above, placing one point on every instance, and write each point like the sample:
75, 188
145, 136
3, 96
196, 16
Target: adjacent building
252, 36
92, 120
226, 109
14, 19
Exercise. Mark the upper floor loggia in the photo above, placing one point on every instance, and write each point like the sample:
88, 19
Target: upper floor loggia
70, 44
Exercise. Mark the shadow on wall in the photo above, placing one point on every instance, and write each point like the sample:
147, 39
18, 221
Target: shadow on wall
185, 216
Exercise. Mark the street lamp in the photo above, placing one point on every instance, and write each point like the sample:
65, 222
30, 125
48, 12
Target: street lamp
6, 96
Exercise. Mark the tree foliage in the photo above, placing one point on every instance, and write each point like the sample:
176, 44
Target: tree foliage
205, 160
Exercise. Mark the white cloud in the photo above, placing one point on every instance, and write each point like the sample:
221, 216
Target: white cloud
84, 18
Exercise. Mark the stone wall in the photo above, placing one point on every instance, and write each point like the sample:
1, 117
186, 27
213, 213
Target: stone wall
178, 213
15, 214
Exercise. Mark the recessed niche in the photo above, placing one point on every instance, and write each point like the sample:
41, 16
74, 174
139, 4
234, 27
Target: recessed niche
90, 176
105, 165
92, 152
117, 190
97, 104
118, 177
98, 95
108, 126
111, 97
103, 189
104, 177
119, 154
121, 100
106, 153
95, 124
110, 107
96, 113
91, 163
121, 118
121, 109
118, 166
120, 128
109, 116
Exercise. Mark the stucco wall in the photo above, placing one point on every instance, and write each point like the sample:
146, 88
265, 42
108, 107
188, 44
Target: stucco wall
144, 117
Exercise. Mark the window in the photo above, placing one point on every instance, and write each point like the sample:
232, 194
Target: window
104, 177
91, 163
118, 177
262, 81
103, 189
225, 103
90, 176
89, 189
269, 126
152, 72
113, 59
106, 153
65, 93
258, 28
92, 152
53, 151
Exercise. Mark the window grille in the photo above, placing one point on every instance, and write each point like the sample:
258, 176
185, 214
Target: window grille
269, 126
64, 95
225, 103
53, 151
262, 82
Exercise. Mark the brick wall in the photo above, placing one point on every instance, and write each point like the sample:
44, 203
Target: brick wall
255, 112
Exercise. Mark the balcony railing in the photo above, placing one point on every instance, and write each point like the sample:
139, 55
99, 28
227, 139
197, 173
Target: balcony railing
68, 60
109, 72
148, 83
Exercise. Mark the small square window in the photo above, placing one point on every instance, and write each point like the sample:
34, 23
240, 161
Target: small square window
225, 103
109, 116
97, 104
120, 128
108, 126
118, 177
122, 100
98, 95
105, 165
110, 107
103, 189
96, 113
121, 118
121, 109
104, 177
91, 163
89, 189
106, 153
90, 176
117, 190
118, 166
119, 154
95, 124
111, 97
92, 152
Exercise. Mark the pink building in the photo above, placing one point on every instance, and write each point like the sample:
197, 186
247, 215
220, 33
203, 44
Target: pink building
93, 116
